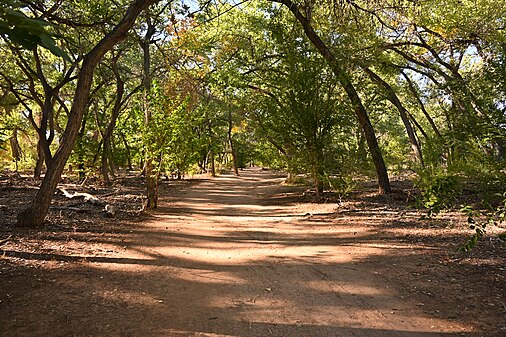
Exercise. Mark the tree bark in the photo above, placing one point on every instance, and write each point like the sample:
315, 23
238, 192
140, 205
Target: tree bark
422, 106
212, 162
15, 147
129, 152
392, 97
211, 142
106, 141
39, 164
232, 146
104, 163
151, 178
35, 214
345, 81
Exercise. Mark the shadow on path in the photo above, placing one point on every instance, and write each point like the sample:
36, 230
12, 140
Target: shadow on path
219, 260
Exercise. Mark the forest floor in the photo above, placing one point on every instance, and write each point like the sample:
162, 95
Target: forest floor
245, 256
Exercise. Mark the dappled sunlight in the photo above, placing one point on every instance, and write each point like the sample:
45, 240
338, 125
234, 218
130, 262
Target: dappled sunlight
125, 297
357, 290
208, 276
326, 316
222, 263
251, 254
188, 333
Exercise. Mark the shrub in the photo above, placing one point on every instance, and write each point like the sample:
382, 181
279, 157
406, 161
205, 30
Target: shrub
438, 191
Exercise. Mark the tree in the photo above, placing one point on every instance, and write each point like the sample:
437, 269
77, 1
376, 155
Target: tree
345, 81
34, 215
392, 97
124, 90
280, 76
46, 96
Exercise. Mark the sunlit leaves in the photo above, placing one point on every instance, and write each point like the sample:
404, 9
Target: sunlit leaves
28, 32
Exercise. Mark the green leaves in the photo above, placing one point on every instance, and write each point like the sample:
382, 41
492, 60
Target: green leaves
27, 32
479, 220
475, 224
438, 191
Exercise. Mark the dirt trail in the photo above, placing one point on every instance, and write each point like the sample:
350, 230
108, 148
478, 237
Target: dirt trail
224, 257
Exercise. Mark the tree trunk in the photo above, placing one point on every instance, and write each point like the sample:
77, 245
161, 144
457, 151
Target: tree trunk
151, 177
39, 164
106, 142
34, 215
129, 153
15, 147
104, 167
317, 181
213, 166
211, 141
345, 81
231, 142
392, 97
112, 164
422, 106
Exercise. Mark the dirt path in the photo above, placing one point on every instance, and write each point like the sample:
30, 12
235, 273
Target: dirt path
228, 257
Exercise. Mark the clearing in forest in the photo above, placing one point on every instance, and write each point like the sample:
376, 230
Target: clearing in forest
247, 256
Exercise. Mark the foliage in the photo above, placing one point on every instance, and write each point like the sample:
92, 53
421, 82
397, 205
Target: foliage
479, 220
438, 190
3, 139
343, 185
172, 135
26, 31
247, 75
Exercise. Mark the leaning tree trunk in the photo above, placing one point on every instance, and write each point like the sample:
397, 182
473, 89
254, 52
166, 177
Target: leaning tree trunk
345, 81
15, 147
35, 214
413, 90
392, 97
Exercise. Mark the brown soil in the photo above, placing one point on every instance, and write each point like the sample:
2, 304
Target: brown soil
244, 256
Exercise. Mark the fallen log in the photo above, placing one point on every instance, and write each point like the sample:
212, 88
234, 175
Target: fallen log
110, 210
87, 197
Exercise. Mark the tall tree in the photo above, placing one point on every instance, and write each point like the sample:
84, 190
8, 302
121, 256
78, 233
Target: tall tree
151, 177
345, 80
394, 99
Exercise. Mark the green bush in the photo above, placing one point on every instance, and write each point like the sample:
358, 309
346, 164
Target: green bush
438, 191
479, 220
342, 184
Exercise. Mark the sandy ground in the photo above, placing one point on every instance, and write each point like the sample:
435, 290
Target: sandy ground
246, 256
